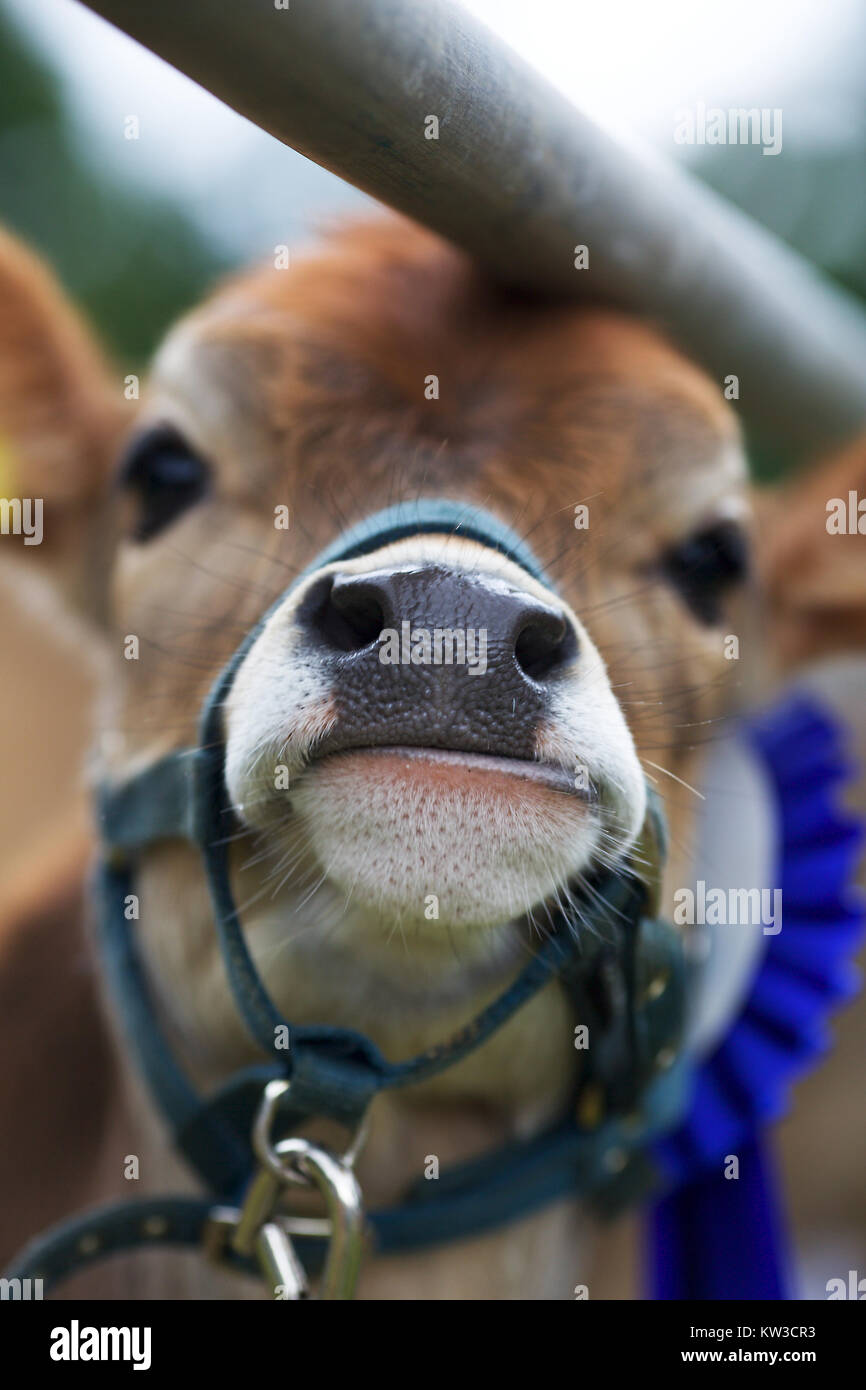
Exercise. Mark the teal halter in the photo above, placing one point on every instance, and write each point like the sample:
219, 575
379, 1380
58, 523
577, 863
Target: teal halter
624, 972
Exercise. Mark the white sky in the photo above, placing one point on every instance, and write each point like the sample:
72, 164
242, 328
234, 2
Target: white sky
630, 63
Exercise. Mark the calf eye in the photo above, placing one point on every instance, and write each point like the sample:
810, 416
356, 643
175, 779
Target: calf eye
164, 476
705, 565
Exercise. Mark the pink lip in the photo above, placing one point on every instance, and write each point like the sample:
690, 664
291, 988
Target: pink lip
541, 774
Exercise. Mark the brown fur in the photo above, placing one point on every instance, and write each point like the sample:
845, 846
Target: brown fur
58, 1083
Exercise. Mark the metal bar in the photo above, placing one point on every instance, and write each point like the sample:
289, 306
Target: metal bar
519, 177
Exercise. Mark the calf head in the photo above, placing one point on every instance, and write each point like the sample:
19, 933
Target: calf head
405, 822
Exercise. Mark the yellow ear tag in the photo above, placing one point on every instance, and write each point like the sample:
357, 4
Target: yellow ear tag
8, 471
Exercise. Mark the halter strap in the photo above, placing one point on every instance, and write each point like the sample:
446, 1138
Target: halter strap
625, 973
337, 1070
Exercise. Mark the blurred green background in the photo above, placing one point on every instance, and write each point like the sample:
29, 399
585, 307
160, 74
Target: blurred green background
133, 261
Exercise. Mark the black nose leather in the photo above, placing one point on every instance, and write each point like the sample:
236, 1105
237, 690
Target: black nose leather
518, 645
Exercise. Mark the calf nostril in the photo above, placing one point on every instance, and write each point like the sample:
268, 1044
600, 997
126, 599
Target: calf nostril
346, 616
347, 613
546, 643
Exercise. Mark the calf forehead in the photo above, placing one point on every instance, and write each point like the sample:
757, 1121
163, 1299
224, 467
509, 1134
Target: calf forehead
394, 349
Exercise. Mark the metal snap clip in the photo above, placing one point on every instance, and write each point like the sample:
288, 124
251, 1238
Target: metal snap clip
258, 1230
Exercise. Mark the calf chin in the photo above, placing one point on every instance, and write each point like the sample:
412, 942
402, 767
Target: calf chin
442, 841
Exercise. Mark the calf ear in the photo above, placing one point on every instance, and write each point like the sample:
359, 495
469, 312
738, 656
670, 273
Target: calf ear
813, 559
60, 419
